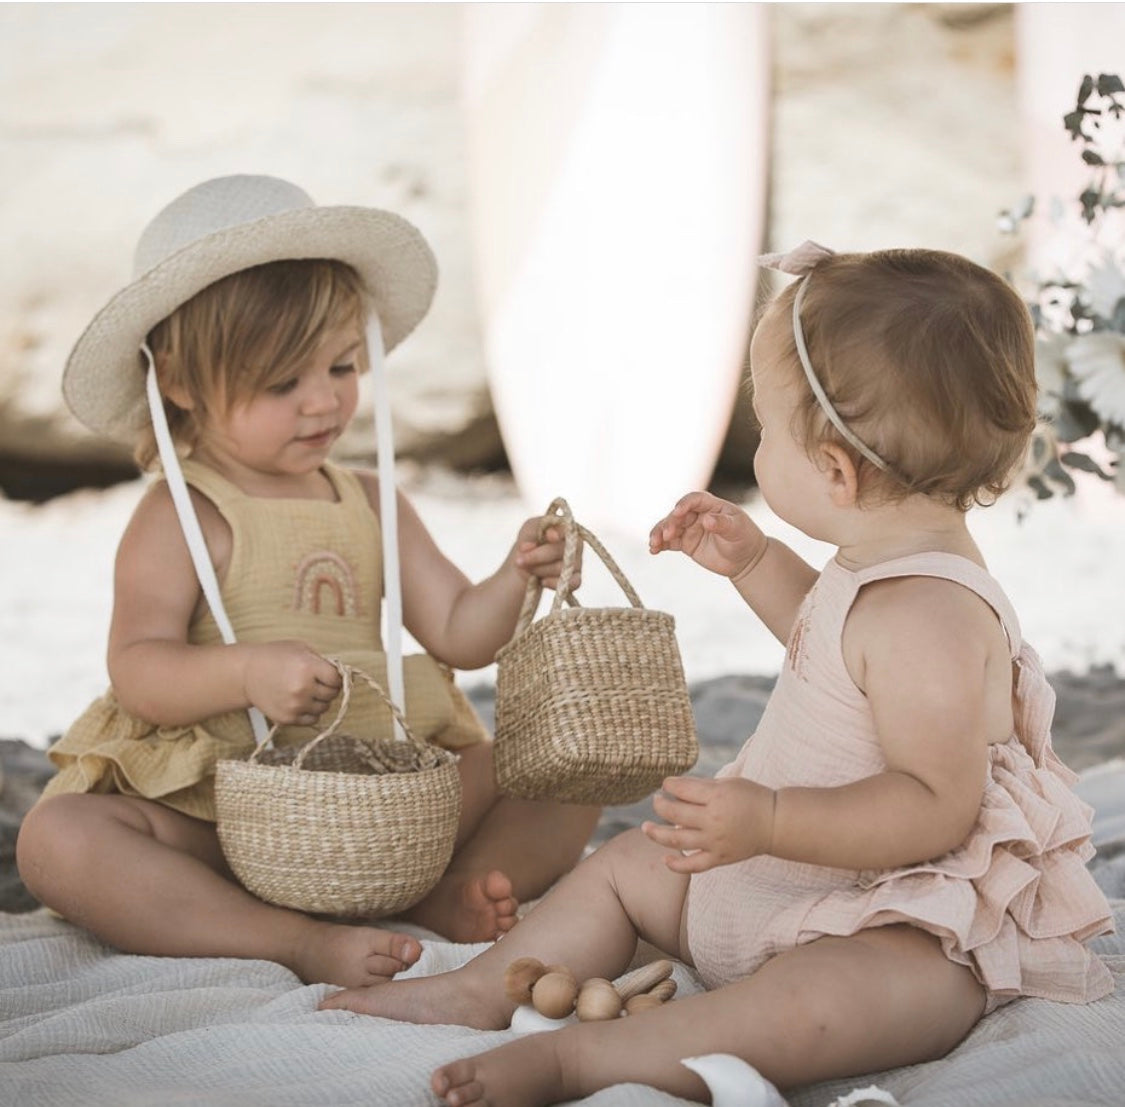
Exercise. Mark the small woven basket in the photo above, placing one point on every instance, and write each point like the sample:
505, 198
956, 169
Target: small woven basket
591, 703
340, 826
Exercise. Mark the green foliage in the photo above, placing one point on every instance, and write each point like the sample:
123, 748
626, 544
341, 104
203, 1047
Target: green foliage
1079, 308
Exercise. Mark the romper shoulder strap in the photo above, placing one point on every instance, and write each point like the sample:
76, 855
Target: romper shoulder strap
350, 489
216, 488
960, 570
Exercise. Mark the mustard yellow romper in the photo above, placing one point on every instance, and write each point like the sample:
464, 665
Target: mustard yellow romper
303, 569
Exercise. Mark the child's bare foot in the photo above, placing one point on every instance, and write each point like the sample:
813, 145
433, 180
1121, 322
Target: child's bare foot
450, 998
477, 909
334, 953
523, 1073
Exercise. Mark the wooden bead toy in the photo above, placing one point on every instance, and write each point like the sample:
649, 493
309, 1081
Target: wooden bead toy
554, 994
598, 1000
519, 977
644, 979
553, 991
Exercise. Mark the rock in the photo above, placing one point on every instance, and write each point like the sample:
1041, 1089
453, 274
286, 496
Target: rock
23, 772
1089, 726
894, 124
358, 106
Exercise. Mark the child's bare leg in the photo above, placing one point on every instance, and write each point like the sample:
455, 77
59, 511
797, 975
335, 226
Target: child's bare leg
836, 1007
150, 880
590, 923
507, 851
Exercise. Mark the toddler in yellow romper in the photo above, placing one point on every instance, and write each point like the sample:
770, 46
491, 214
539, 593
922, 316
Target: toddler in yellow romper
253, 312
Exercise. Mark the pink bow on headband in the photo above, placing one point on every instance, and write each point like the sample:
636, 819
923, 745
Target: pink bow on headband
800, 261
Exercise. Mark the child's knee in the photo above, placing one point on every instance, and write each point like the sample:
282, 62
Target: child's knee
64, 828
46, 836
630, 847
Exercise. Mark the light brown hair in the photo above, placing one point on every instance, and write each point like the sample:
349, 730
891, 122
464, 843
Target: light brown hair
929, 358
245, 333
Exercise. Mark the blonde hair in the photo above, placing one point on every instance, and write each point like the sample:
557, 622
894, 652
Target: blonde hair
928, 358
244, 334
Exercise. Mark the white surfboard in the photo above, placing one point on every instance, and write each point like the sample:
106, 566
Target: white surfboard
617, 158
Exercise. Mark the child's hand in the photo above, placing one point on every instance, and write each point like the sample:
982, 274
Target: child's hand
288, 682
544, 559
719, 821
712, 532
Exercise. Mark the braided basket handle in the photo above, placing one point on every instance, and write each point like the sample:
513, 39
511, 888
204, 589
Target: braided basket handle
347, 673
559, 515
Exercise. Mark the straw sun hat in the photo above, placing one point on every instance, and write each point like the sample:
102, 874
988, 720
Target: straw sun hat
211, 231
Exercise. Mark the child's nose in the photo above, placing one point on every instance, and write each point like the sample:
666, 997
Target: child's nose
321, 395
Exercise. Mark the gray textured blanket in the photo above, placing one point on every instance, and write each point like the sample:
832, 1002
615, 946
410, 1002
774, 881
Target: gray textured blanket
81, 1024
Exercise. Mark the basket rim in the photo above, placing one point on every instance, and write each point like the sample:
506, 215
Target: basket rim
579, 614
228, 765
447, 757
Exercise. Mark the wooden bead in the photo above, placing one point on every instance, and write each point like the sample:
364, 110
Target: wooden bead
634, 1005
644, 979
564, 970
663, 991
554, 994
519, 977
598, 1001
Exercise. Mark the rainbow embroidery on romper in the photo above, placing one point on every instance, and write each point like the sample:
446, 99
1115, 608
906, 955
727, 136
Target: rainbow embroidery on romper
796, 649
322, 576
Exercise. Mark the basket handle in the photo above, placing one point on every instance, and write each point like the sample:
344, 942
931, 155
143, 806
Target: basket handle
347, 673
559, 515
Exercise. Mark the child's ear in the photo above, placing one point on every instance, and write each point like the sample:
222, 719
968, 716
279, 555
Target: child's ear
840, 473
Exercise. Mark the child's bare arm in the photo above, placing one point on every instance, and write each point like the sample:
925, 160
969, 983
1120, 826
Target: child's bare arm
721, 537
937, 674
461, 622
162, 678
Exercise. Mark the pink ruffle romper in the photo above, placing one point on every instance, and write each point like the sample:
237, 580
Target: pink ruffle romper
1015, 902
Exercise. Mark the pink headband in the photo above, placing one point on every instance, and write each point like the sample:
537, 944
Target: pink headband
800, 262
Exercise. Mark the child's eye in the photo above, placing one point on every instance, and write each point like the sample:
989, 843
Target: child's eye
283, 387
344, 369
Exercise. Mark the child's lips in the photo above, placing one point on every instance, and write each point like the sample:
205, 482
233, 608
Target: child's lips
321, 438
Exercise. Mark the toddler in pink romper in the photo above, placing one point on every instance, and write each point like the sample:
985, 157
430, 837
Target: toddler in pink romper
1014, 902
897, 850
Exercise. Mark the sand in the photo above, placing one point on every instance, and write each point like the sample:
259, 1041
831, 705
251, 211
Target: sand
1061, 564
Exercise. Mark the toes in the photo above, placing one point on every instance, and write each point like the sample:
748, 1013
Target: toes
465, 1095
382, 966
455, 1084
381, 969
496, 886
350, 999
405, 949
334, 1002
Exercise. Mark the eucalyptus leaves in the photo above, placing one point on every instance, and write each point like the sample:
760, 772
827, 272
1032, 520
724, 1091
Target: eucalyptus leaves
1079, 306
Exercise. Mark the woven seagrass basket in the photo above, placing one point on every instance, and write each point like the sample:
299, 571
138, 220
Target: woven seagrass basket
591, 703
340, 826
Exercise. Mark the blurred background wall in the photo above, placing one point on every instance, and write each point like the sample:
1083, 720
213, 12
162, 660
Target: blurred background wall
890, 124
